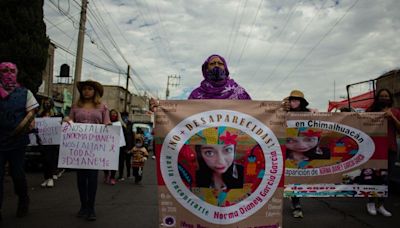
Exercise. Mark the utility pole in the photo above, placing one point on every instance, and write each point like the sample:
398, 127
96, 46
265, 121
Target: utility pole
173, 80
126, 87
79, 51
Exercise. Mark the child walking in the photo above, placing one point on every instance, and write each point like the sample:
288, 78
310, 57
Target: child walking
89, 109
139, 157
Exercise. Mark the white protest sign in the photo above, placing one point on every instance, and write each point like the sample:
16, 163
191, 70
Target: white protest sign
49, 131
121, 134
89, 146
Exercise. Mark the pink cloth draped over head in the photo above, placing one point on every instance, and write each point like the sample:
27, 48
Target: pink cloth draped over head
8, 78
225, 89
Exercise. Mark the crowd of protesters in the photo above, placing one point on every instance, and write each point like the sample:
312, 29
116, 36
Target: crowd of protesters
18, 107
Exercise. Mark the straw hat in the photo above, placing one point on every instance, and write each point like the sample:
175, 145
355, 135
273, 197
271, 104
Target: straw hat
96, 86
297, 94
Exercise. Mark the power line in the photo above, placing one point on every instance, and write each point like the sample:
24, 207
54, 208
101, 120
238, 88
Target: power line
232, 29
289, 16
237, 31
84, 59
248, 34
316, 45
292, 46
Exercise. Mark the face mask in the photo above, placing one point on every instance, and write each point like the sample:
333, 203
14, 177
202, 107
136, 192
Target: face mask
113, 118
216, 74
139, 144
385, 102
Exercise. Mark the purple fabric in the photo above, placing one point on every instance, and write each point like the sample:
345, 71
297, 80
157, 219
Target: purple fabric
224, 89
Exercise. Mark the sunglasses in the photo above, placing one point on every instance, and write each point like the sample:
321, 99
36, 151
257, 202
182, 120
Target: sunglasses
7, 70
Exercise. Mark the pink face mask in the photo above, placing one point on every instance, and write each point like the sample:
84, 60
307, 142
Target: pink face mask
8, 78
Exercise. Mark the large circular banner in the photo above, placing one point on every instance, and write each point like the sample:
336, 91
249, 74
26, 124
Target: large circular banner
221, 165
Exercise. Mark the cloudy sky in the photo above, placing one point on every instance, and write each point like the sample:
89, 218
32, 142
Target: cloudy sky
271, 46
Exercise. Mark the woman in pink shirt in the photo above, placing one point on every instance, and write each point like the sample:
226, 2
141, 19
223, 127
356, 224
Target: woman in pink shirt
89, 109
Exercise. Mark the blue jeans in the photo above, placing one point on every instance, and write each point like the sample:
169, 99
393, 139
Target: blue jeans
15, 158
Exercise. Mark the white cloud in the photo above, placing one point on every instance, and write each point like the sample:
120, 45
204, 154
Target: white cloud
161, 38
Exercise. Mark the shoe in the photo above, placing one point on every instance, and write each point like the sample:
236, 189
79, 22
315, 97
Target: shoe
121, 179
23, 207
112, 181
382, 210
131, 178
60, 173
91, 216
153, 157
44, 184
82, 213
55, 177
297, 213
50, 183
371, 208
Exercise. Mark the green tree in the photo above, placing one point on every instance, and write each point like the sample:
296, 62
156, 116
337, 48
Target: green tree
23, 39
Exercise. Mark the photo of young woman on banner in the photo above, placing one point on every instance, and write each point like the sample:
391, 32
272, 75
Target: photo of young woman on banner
212, 164
328, 154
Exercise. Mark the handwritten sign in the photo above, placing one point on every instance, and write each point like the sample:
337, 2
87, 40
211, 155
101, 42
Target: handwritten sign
49, 131
89, 146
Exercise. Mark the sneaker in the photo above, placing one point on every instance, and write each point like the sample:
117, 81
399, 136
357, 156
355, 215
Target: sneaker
60, 173
112, 181
382, 210
91, 216
82, 213
55, 177
153, 157
297, 213
50, 183
44, 184
121, 179
23, 207
371, 208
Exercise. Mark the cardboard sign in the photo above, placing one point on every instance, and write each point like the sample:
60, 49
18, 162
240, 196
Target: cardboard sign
49, 131
89, 146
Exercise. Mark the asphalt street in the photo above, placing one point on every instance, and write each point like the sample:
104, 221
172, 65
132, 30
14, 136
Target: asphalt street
135, 205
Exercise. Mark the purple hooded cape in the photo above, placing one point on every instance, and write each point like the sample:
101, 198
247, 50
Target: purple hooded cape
226, 89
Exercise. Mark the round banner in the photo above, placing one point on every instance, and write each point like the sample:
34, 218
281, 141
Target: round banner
221, 165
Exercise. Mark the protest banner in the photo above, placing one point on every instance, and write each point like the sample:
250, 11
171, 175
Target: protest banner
220, 163
336, 155
48, 131
89, 146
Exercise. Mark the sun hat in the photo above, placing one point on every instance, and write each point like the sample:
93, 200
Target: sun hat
96, 86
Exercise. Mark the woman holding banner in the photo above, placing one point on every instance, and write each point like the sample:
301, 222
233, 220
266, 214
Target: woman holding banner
49, 152
383, 102
216, 83
89, 109
297, 103
109, 175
